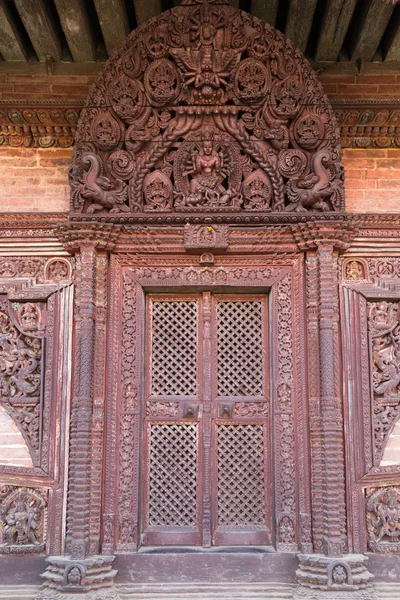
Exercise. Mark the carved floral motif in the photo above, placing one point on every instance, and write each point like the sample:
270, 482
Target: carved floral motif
206, 109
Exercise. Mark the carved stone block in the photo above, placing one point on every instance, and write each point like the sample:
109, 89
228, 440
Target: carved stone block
320, 577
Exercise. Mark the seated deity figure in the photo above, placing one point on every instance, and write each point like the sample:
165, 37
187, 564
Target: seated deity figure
206, 175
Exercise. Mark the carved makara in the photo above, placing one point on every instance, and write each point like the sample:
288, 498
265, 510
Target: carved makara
384, 327
205, 109
20, 368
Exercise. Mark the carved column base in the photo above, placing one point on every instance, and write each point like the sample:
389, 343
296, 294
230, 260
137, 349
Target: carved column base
92, 577
320, 577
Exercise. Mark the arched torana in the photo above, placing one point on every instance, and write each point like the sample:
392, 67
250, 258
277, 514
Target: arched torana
206, 109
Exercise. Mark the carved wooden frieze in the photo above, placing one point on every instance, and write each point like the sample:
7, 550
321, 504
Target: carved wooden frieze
206, 110
383, 519
23, 513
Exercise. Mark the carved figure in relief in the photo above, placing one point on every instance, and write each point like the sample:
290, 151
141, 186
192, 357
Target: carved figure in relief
22, 515
354, 270
100, 191
207, 67
384, 328
339, 575
206, 173
311, 191
383, 519
157, 192
28, 316
20, 376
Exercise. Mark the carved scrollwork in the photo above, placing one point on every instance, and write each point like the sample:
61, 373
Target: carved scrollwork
225, 108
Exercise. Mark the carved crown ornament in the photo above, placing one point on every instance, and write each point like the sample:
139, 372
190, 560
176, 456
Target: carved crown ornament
206, 110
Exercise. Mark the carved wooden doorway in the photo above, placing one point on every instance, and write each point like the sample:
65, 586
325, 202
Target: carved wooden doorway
206, 474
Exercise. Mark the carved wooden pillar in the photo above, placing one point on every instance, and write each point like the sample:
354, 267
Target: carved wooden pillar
82, 569
331, 569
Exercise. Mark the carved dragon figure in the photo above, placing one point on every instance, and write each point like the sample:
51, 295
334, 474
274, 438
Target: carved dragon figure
311, 191
100, 191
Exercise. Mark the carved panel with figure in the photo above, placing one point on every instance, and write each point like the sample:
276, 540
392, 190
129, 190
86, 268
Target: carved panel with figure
206, 110
35, 343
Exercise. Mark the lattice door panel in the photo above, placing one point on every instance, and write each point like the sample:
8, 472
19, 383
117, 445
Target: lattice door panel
174, 333
173, 475
240, 348
241, 475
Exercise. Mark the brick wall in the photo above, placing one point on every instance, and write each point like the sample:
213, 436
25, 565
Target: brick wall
372, 180
34, 179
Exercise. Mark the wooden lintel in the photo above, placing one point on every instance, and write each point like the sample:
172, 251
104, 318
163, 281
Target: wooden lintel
40, 27
373, 28
334, 27
78, 32
146, 9
266, 10
299, 22
113, 22
11, 47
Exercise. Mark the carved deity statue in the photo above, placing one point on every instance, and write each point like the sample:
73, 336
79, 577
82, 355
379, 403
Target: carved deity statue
22, 516
383, 517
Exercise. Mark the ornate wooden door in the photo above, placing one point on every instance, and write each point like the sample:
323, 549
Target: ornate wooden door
206, 458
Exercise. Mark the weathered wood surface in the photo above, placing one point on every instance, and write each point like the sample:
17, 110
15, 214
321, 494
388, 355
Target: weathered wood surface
375, 23
146, 9
40, 27
113, 22
265, 10
11, 46
76, 26
334, 27
299, 22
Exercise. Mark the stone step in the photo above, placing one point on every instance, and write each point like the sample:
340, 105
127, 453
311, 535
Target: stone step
18, 592
203, 591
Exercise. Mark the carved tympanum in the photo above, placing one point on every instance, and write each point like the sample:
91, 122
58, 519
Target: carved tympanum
22, 518
20, 367
206, 109
383, 519
384, 327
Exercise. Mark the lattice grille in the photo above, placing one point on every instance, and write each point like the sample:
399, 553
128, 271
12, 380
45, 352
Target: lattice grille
240, 363
172, 475
241, 475
174, 348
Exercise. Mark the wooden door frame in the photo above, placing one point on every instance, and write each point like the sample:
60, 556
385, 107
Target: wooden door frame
130, 277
